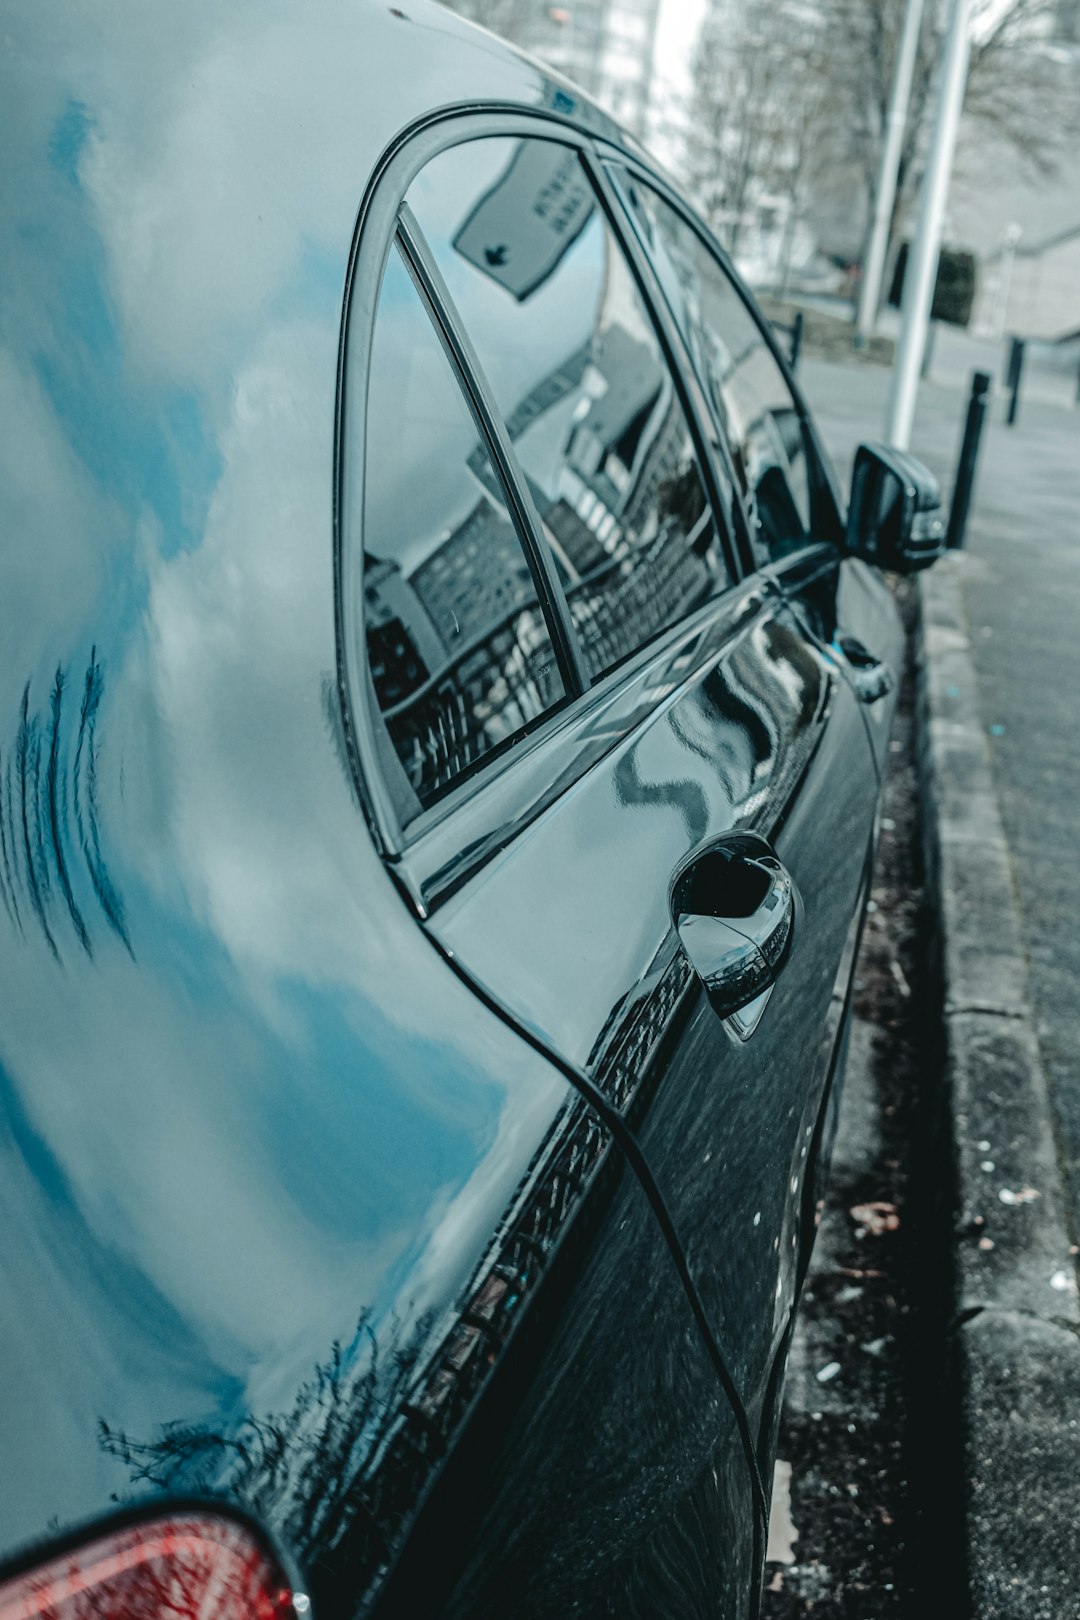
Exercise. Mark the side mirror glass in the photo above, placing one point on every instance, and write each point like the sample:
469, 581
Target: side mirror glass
894, 513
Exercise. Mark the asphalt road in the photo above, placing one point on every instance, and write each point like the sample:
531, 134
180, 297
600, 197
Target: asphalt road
1021, 593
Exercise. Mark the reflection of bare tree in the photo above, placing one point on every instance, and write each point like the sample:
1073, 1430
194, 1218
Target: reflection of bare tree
28, 748
56, 701
7, 883
39, 799
302, 1470
108, 899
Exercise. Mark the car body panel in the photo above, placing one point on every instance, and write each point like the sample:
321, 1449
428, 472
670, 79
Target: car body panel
214, 1000
597, 1477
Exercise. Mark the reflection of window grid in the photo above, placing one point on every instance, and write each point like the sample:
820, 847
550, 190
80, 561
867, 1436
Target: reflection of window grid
621, 606
627, 27
493, 689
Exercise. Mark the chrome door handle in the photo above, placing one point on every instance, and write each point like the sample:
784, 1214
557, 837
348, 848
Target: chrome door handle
735, 907
871, 677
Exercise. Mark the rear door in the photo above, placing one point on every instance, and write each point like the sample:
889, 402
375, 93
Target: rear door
693, 708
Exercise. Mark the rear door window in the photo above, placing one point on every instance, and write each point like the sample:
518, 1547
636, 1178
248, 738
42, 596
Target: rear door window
573, 359
459, 651
760, 418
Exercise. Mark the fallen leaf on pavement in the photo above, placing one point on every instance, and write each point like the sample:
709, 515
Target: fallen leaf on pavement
877, 1217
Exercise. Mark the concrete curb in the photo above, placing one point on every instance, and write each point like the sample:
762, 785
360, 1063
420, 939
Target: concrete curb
1017, 1323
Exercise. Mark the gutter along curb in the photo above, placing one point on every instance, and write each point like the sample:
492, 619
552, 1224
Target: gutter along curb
1015, 1342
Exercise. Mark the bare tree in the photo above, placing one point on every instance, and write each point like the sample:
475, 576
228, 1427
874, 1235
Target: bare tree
1024, 83
739, 140
1019, 85
791, 94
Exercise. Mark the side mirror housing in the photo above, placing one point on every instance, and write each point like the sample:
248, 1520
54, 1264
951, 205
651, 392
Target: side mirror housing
894, 513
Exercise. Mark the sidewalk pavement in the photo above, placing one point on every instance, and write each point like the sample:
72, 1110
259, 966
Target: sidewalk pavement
1001, 667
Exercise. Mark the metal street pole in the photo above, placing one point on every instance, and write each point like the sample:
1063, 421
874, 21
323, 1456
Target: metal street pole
885, 196
922, 261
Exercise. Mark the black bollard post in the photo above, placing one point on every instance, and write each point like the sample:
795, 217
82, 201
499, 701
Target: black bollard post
796, 339
964, 483
1012, 382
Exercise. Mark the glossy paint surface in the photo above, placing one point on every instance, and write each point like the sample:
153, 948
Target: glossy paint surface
834, 604
275, 1187
571, 927
608, 1490
252, 1127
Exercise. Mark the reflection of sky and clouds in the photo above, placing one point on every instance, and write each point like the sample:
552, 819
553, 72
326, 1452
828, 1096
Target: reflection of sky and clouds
226, 1128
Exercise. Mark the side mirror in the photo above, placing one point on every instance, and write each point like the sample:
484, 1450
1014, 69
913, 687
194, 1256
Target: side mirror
893, 516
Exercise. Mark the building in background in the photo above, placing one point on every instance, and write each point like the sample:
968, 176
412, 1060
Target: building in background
570, 38
1032, 289
627, 61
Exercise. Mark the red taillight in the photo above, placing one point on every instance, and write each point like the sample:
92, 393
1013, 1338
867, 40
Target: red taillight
187, 1566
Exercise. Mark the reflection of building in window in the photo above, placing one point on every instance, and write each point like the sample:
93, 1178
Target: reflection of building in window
753, 402
459, 659
403, 644
476, 578
416, 623
460, 654
626, 505
626, 516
